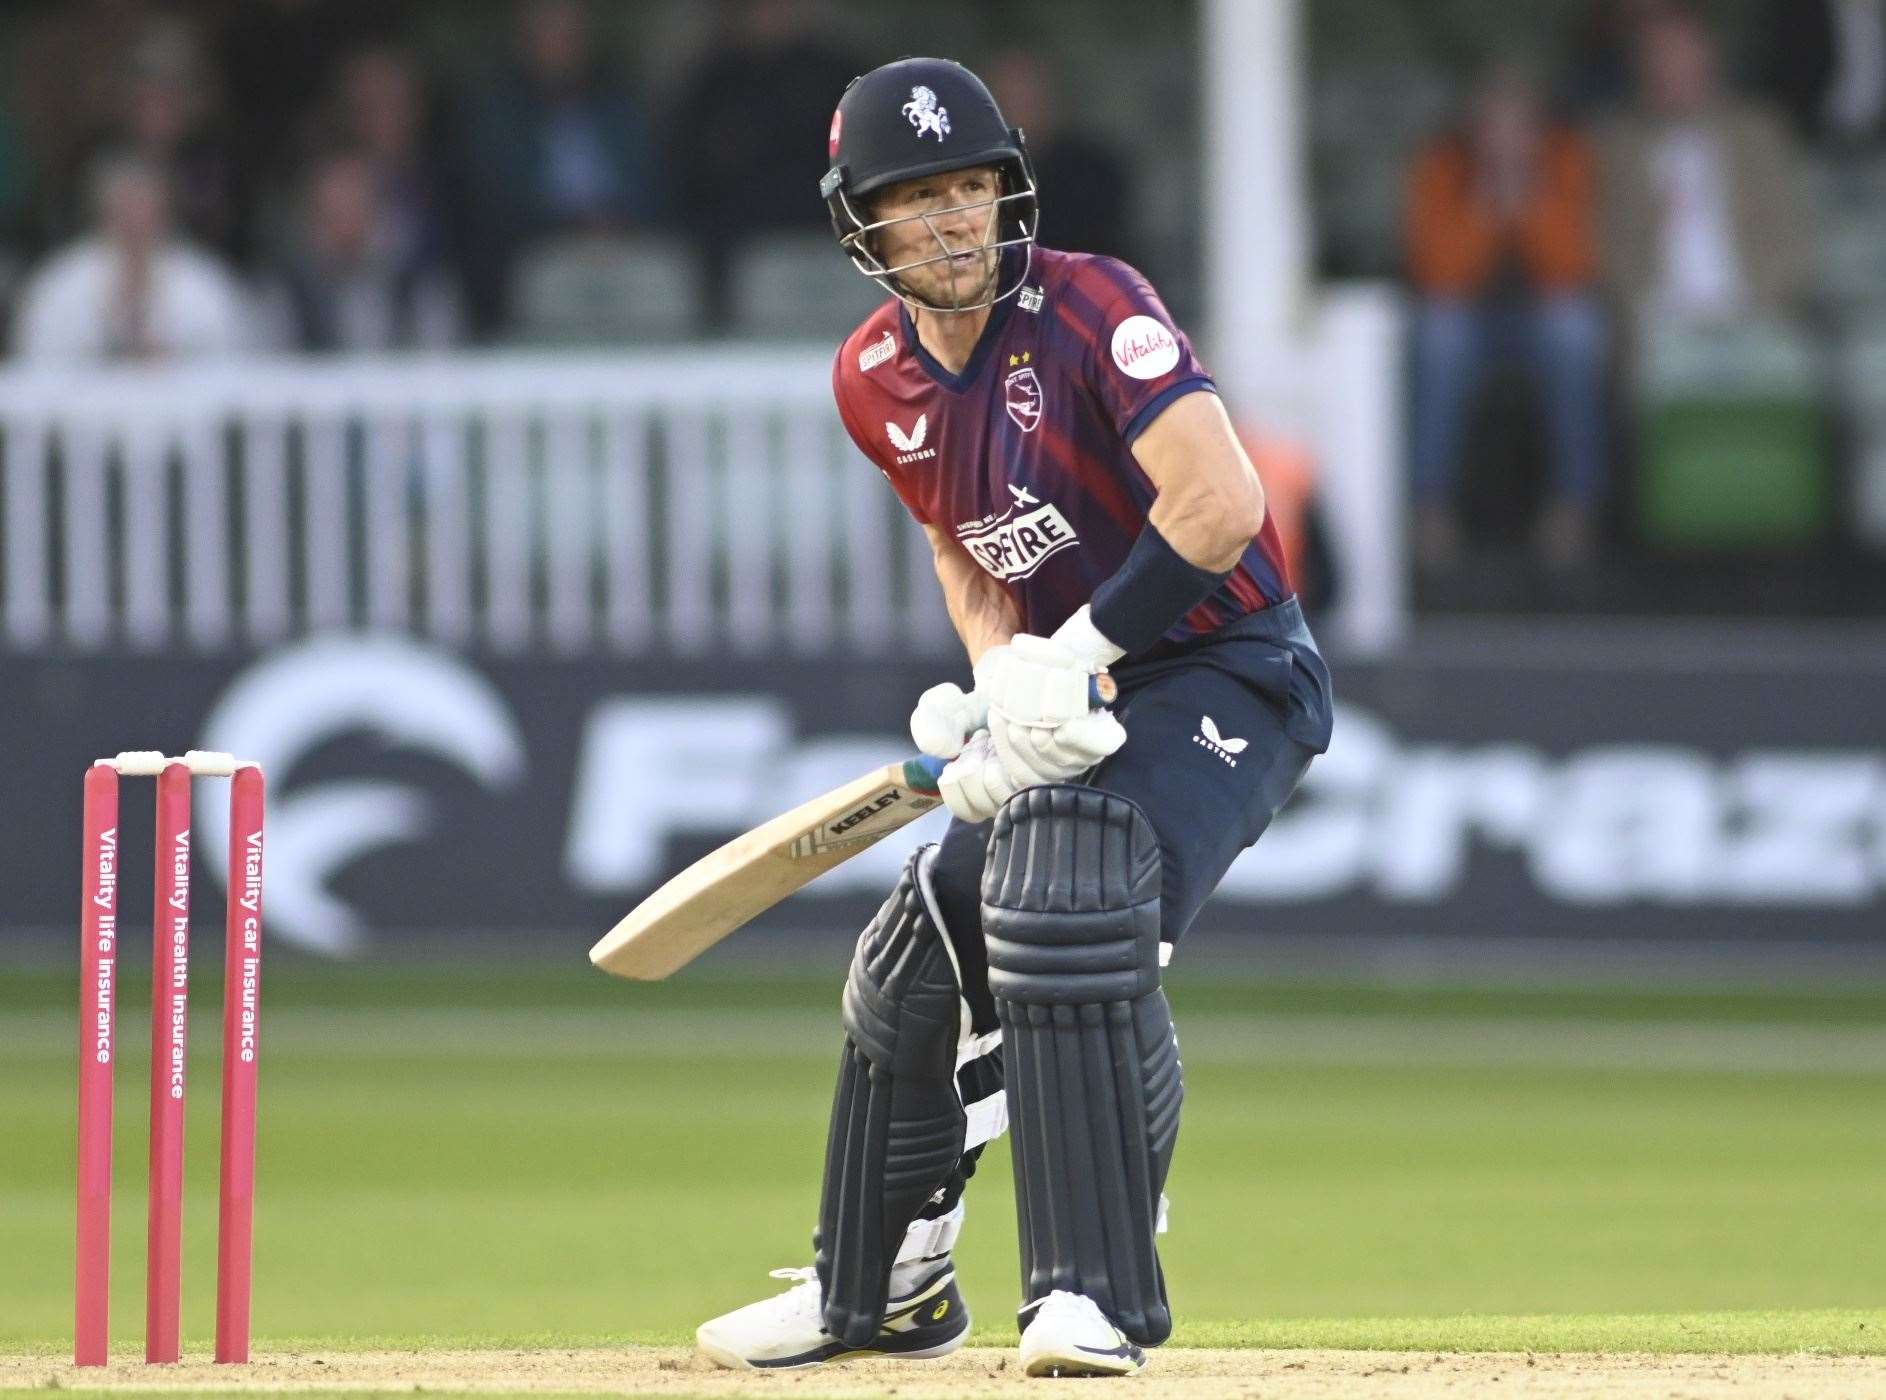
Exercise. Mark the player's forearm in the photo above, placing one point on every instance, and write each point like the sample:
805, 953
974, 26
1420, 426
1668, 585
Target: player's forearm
983, 614
980, 608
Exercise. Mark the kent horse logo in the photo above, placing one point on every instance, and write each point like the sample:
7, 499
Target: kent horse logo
1023, 392
923, 113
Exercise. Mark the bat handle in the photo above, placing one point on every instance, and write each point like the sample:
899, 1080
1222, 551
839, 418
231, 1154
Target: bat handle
925, 770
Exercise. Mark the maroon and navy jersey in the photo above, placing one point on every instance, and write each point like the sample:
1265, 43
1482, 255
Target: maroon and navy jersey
1026, 457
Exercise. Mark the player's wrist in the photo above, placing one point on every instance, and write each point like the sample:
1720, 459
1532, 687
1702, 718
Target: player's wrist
1093, 647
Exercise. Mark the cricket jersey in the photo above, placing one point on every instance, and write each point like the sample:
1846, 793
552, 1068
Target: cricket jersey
1026, 457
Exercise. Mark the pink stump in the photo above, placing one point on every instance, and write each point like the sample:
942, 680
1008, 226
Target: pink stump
98, 996
170, 991
242, 1008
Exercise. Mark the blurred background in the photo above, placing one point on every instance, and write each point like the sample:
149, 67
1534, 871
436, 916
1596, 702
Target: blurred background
431, 401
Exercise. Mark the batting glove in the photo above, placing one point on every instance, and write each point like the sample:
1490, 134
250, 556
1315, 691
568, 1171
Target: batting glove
1034, 754
975, 784
946, 716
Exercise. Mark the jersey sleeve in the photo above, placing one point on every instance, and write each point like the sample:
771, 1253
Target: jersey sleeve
1139, 360
866, 446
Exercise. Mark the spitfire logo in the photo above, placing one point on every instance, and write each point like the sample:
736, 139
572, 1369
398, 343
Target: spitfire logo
1014, 544
876, 354
1023, 399
923, 113
909, 445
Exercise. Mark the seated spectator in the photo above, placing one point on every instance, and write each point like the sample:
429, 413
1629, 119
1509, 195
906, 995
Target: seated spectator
166, 117
1825, 62
1504, 270
742, 163
555, 143
351, 282
275, 60
381, 114
129, 290
1699, 224
1087, 194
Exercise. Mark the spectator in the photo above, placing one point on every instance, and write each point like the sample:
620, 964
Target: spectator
555, 143
70, 74
1698, 222
276, 58
165, 118
382, 115
1825, 61
129, 290
1504, 269
743, 161
352, 282
1087, 187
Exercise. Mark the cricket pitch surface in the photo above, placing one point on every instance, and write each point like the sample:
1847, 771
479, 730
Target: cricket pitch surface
1174, 1374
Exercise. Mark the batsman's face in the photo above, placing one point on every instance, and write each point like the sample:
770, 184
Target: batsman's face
939, 229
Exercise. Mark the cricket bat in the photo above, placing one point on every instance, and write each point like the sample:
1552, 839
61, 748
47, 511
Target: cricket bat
751, 873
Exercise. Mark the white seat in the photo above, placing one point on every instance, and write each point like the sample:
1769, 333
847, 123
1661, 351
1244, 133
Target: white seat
798, 286
605, 290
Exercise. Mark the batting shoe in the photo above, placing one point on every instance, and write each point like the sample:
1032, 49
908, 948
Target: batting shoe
1070, 1336
925, 1317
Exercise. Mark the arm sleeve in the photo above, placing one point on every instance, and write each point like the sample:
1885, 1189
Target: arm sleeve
1138, 359
864, 444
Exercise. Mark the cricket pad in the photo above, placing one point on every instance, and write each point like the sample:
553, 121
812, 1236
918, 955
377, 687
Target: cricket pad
898, 1126
1070, 914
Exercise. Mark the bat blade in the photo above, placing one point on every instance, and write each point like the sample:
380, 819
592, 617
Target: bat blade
750, 874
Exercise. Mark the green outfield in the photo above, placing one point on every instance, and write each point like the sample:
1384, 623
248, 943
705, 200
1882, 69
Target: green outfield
506, 1158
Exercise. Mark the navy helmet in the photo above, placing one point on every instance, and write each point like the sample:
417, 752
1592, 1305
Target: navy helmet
926, 116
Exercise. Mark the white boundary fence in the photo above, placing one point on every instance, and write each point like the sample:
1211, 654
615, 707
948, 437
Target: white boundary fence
690, 502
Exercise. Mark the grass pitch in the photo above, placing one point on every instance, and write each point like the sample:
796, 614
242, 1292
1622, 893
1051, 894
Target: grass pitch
547, 1158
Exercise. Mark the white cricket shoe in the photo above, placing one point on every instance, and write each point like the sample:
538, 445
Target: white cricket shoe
1070, 1336
786, 1332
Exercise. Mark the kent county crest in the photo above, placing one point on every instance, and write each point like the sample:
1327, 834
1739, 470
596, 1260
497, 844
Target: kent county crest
923, 113
1023, 395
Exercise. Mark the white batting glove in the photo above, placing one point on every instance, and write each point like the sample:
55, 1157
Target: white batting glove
946, 715
975, 784
1038, 754
1039, 682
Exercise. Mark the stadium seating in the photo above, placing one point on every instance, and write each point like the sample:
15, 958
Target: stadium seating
798, 286
1733, 453
1865, 374
606, 290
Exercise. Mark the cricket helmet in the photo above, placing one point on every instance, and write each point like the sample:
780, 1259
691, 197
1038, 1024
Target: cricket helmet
926, 116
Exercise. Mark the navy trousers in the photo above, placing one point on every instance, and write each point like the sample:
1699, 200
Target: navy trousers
1218, 733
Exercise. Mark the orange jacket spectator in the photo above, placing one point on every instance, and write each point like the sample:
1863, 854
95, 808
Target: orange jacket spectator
1458, 241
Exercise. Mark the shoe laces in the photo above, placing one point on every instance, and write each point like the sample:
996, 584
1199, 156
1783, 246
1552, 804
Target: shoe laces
806, 1299
1059, 1301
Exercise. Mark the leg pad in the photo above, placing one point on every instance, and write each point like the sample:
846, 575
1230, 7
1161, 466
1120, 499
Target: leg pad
1071, 913
898, 1126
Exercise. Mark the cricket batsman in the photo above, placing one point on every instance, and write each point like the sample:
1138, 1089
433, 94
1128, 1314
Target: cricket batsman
1090, 509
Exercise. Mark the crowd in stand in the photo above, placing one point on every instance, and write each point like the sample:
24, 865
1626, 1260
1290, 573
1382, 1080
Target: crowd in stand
207, 177
1591, 236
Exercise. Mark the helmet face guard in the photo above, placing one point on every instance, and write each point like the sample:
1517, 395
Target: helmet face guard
919, 117
1014, 215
